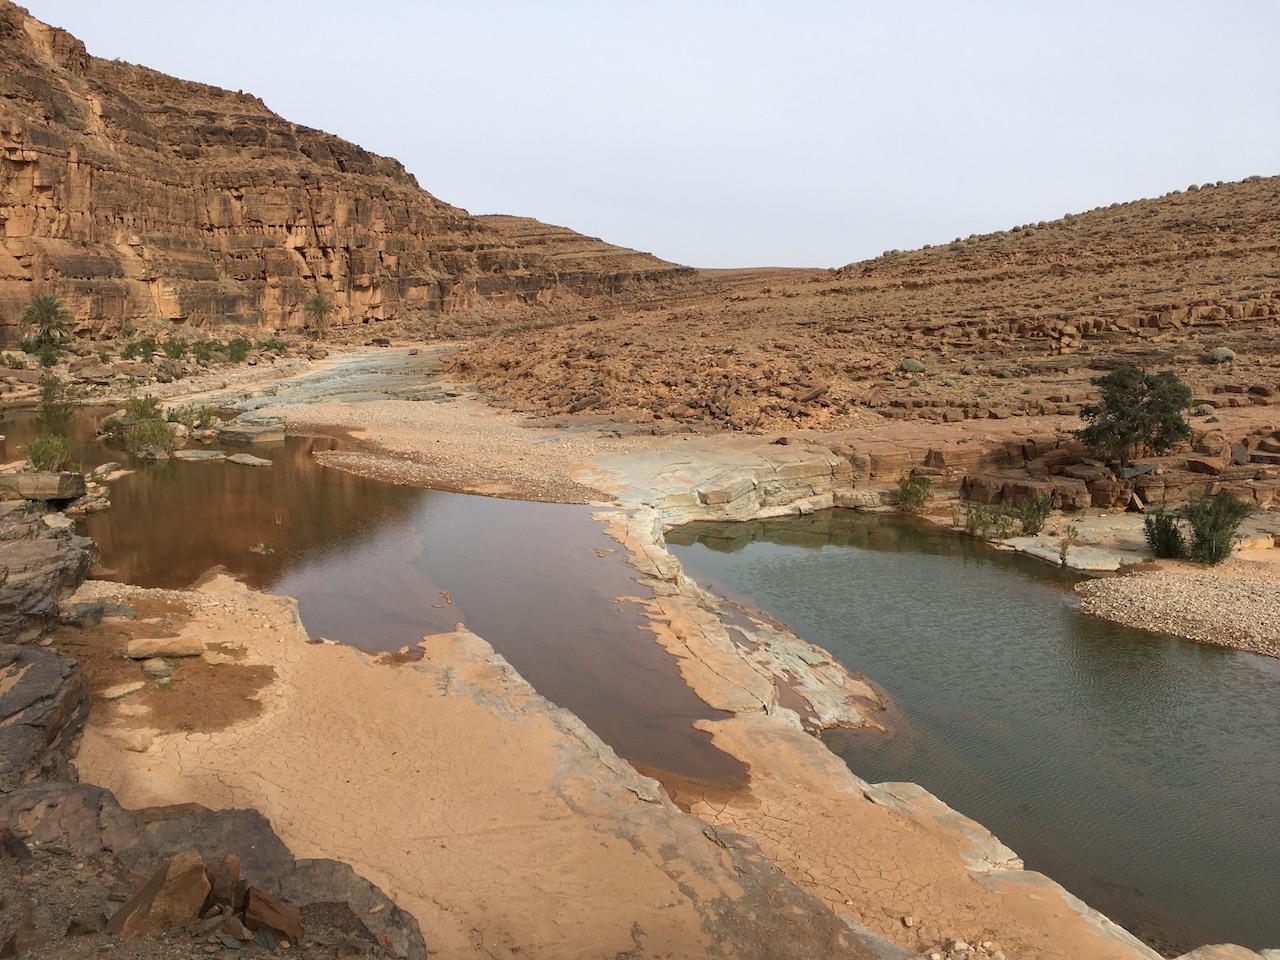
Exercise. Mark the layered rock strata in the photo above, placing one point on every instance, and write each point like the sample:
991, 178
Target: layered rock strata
136, 196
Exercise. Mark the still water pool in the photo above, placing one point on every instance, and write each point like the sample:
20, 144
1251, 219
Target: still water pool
1140, 771
378, 566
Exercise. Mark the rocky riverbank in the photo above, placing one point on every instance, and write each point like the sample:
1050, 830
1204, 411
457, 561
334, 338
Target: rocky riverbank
79, 872
1236, 605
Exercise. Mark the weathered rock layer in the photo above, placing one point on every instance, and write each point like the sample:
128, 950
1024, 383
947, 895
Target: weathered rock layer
137, 196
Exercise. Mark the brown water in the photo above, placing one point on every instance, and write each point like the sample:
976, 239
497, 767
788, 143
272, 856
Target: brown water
378, 566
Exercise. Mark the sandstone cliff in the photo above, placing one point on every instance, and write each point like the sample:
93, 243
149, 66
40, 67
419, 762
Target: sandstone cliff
136, 196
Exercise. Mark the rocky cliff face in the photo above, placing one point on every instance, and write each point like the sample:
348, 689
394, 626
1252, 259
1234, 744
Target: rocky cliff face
137, 196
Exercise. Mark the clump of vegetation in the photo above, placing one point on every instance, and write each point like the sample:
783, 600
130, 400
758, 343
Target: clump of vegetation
1032, 513
238, 348
317, 311
911, 365
150, 437
1137, 411
913, 493
142, 408
49, 451
1221, 355
45, 324
1213, 521
988, 521
1164, 536
12, 361
1066, 540
272, 343
203, 350
144, 348
175, 348
191, 416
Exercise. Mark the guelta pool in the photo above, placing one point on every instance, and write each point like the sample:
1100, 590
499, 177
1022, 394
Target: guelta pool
378, 566
1140, 771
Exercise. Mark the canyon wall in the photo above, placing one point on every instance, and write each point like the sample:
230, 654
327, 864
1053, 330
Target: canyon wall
135, 196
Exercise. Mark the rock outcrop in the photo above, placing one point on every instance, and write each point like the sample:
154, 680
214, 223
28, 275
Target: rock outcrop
211, 873
44, 703
39, 565
136, 196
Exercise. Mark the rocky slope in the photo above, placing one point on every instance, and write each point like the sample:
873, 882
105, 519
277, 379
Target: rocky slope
137, 196
989, 327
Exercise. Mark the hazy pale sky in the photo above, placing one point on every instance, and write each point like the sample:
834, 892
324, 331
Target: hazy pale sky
741, 133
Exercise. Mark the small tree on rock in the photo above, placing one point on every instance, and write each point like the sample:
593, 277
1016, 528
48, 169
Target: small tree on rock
1137, 411
317, 311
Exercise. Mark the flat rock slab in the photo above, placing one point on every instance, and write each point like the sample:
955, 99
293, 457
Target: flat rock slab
44, 485
1079, 557
248, 460
199, 455
251, 433
120, 690
146, 648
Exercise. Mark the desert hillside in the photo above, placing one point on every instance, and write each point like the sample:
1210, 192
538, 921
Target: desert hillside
136, 196
988, 326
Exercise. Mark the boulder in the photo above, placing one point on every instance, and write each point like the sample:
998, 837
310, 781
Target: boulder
264, 911
43, 485
172, 897
43, 706
43, 565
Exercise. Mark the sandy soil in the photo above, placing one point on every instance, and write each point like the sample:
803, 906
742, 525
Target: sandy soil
499, 820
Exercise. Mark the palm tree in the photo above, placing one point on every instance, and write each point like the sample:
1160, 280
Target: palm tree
317, 310
46, 321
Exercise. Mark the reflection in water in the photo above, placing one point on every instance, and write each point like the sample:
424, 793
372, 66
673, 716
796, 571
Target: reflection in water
1115, 760
378, 566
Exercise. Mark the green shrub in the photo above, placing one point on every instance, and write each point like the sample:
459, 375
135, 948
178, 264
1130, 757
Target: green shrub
1069, 538
12, 361
49, 451
175, 348
317, 311
144, 348
155, 436
272, 343
910, 365
988, 521
1221, 355
238, 348
142, 408
1213, 521
1032, 513
203, 350
46, 354
913, 492
1164, 536
1136, 411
